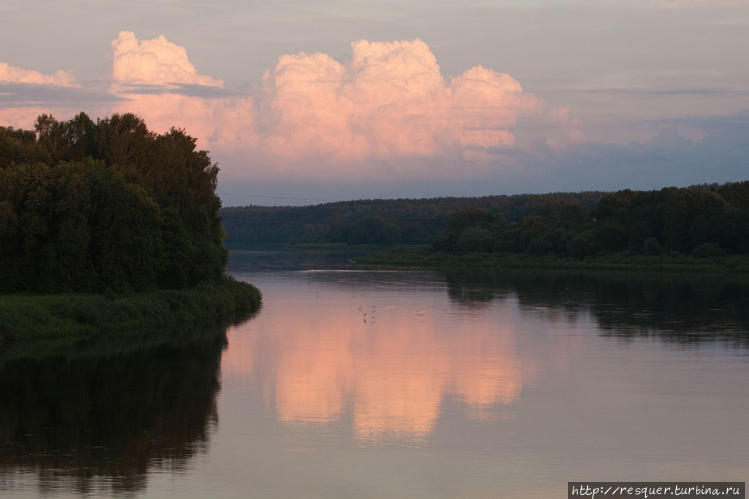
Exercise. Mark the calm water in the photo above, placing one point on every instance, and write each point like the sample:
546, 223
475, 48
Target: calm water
357, 383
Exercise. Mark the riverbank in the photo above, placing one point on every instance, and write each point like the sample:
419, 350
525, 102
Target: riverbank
669, 263
76, 315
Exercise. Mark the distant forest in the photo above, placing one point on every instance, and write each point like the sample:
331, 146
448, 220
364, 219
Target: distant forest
377, 221
92, 206
700, 221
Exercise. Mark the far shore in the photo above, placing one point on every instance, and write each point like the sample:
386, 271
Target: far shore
735, 264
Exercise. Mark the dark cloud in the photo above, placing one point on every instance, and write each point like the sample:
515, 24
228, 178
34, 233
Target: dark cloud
29, 94
188, 90
738, 122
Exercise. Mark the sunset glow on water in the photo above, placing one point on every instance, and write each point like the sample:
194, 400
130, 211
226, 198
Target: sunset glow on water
400, 384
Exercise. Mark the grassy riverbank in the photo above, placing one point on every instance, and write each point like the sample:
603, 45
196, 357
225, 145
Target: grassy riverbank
426, 259
77, 315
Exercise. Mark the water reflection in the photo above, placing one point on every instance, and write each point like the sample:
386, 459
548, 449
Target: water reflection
362, 349
384, 351
395, 376
100, 422
395, 384
672, 307
424, 384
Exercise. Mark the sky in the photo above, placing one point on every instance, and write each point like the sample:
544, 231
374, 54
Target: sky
303, 102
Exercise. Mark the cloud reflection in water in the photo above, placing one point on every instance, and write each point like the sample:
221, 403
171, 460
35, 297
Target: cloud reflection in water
386, 367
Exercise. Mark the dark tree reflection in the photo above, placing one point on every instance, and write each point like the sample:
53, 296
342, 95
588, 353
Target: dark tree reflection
672, 307
100, 421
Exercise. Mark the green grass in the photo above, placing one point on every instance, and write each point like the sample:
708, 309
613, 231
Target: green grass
63, 316
675, 263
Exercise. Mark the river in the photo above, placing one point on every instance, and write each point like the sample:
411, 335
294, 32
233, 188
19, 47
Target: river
355, 382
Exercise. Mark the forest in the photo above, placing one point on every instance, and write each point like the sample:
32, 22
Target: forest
377, 221
700, 221
106, 206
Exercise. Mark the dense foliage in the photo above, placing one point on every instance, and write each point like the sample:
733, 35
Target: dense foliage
700, 221
90, 206
379, 221
87, 315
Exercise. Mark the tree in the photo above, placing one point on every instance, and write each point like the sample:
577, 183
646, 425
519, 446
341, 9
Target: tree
87, 206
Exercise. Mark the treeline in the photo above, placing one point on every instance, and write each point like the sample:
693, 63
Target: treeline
91, 206
700, 221
380, 221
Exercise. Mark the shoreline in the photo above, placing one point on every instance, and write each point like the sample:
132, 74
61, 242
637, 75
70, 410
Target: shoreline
736, 264
78, 316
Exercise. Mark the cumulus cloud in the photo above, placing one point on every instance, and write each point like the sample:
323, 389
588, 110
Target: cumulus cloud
13, 74
154, 62
157, 81
390, 100
386, 109
23, 89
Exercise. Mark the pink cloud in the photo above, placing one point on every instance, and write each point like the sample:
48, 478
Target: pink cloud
13, 74
390, 100
485, 104
222, 122
20, 117
161, 63
387, 109
154, 62
24, 116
